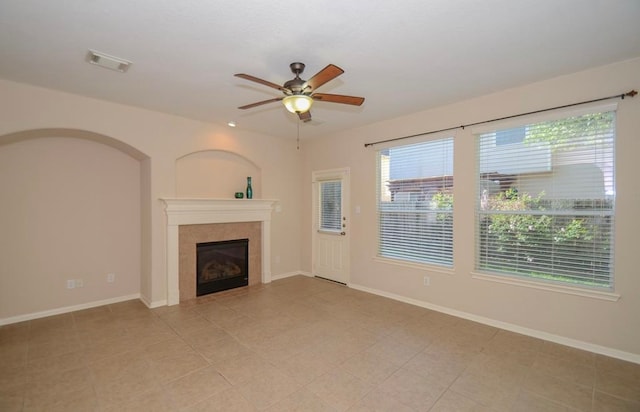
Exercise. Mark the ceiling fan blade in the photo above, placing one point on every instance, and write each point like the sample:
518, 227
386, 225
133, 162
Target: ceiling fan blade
338, 98
257, 80
249, 106
305, 117
328, 73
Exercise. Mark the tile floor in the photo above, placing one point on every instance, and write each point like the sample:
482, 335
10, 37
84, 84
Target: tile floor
298, 344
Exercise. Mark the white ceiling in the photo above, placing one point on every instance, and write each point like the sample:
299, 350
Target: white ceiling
401, 55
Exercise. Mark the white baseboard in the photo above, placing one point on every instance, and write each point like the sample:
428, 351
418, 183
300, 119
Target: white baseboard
288, 275
67, 309
152, 304
602, 350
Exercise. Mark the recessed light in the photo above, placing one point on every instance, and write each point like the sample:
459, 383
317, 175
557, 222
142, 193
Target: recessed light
108, 62
231, 124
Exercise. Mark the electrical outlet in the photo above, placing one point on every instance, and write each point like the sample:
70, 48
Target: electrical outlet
79, 283
111, 277
427, 281
71, 284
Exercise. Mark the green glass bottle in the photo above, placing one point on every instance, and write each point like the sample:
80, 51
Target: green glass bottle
249, 188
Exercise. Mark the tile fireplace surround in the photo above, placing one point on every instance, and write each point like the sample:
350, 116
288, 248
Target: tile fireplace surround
181, 212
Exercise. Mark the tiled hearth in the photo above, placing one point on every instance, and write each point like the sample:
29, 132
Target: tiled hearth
208, 220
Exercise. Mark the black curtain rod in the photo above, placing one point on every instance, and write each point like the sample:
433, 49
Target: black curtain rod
616, 96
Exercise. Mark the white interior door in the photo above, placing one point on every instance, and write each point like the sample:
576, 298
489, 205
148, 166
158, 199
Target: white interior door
331, 225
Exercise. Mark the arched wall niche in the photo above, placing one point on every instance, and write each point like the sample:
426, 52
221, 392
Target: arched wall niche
76, 206
216, 174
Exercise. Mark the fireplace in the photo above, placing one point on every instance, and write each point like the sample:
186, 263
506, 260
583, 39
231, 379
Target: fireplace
198, 216
221, 265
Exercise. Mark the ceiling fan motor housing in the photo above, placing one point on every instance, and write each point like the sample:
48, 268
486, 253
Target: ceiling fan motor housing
296, 85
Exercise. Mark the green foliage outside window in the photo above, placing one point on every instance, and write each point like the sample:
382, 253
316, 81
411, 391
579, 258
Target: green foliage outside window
442, 201
555, 132
529, 244
543, 244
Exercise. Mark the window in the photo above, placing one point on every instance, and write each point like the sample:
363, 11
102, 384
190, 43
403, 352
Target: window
415, 202
330, 206
545, 207
510, 136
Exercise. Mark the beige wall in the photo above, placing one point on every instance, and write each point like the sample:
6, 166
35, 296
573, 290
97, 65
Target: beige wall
216, 174
156, 141
70, 210
599, 323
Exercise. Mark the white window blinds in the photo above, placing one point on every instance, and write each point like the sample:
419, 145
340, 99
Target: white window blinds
330, 206
545, 206
415, 202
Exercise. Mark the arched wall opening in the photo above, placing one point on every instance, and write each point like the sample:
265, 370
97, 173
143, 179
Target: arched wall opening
76, 207
215, 174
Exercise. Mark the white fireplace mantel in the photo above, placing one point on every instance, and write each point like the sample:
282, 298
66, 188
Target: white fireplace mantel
205, 211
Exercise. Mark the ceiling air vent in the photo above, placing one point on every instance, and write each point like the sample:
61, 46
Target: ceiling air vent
108, 62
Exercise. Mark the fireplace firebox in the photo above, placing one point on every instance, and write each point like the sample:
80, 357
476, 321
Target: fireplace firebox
221, 265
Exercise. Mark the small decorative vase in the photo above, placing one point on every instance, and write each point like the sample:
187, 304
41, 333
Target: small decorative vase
239, 195
249, 188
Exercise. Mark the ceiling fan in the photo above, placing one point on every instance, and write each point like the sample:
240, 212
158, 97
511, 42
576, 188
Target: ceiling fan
299, 94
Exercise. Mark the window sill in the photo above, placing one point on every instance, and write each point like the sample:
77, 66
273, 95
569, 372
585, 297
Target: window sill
415, 265
569, 290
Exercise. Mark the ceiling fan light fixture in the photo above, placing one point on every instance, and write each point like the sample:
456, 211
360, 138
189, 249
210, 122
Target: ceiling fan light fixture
298, 103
